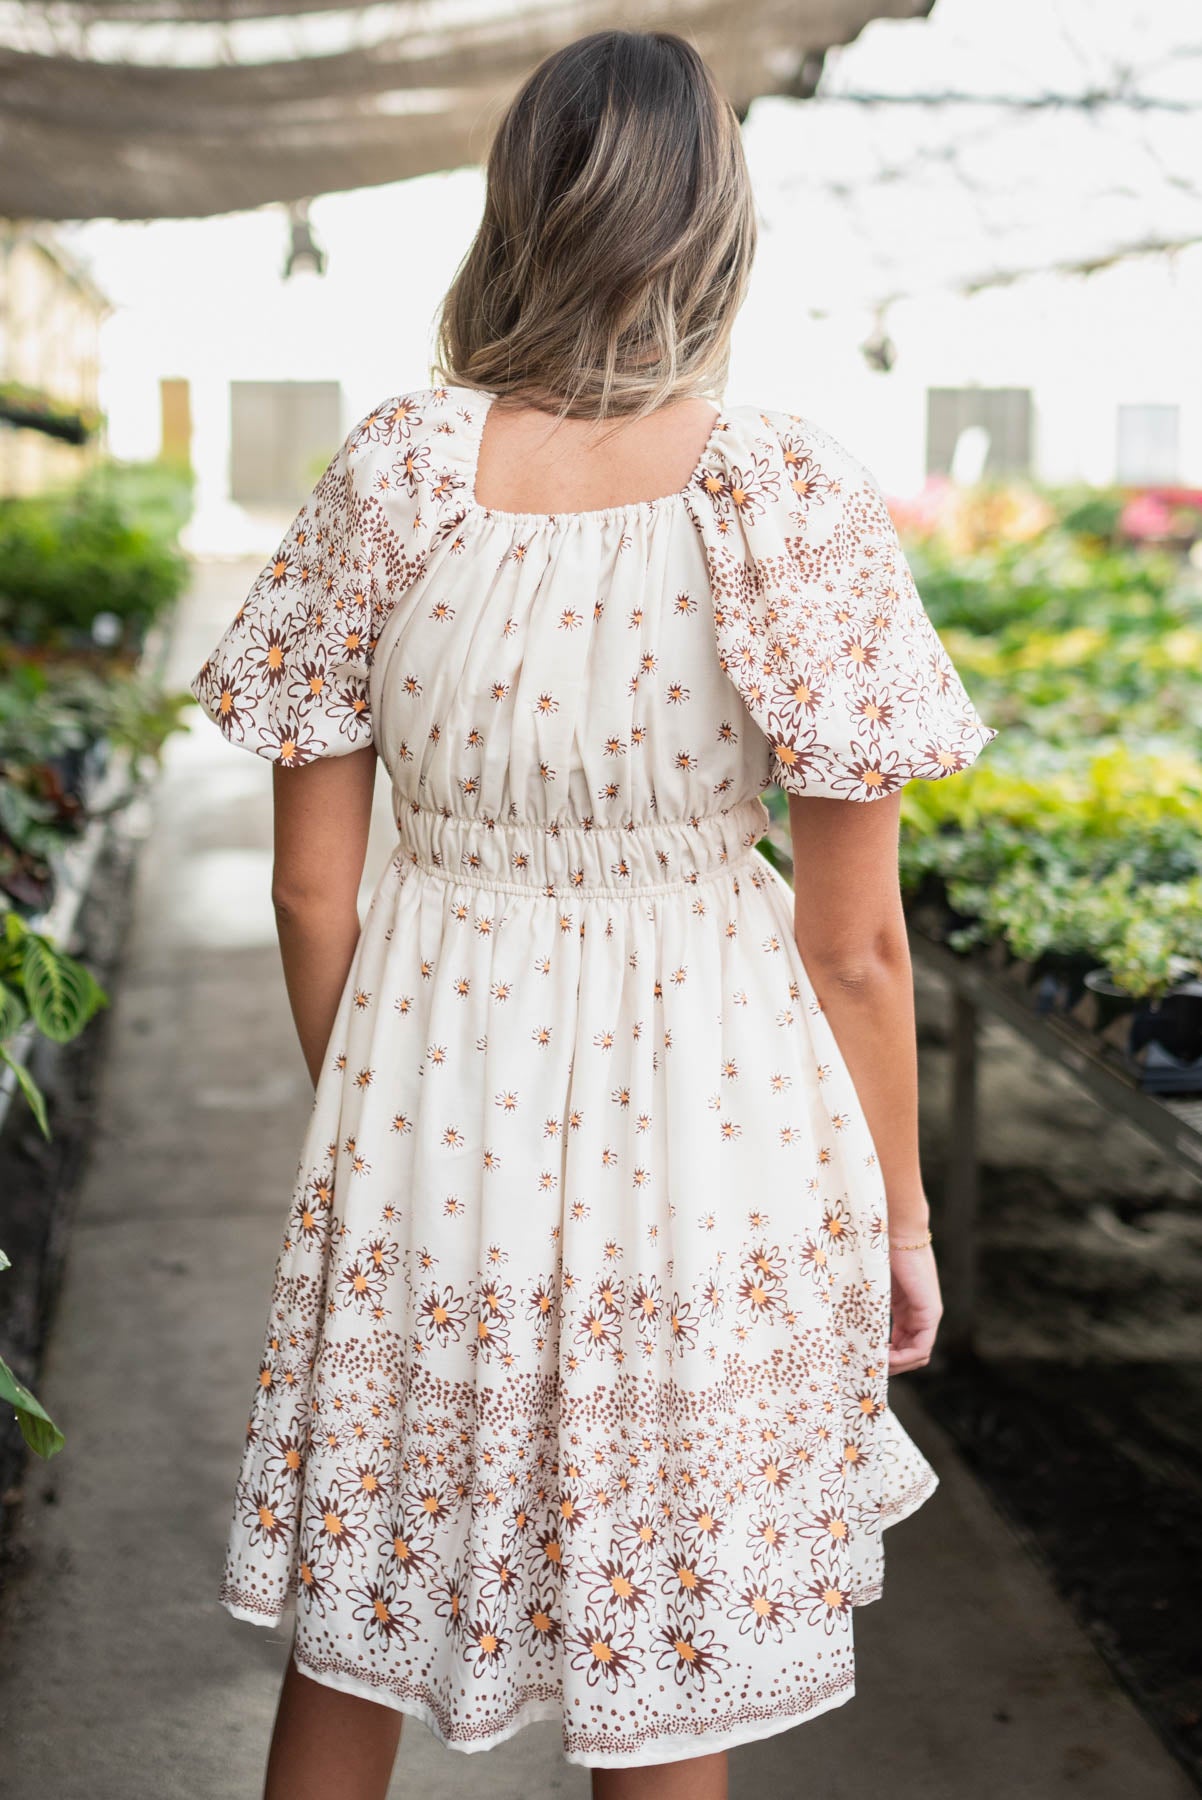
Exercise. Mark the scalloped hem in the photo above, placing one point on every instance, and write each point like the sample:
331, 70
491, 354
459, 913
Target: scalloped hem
673, 1747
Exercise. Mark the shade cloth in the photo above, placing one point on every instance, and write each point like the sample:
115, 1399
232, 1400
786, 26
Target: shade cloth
183, 108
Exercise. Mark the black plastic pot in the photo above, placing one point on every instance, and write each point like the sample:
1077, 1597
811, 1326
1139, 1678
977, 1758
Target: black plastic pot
1109, 1001
1060, 978
71, 767
1165, 1044
931, 891
955, 921
1174, 1022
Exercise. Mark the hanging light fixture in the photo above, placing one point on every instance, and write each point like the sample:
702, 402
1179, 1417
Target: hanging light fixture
878, 349
305, 254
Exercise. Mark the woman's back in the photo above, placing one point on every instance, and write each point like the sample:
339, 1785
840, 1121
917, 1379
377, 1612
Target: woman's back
588, 1217
573, 1398
529, 461
555, 669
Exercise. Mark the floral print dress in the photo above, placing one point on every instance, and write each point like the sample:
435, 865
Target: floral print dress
573, 1395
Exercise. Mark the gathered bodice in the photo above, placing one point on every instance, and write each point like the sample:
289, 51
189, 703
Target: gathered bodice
562, 671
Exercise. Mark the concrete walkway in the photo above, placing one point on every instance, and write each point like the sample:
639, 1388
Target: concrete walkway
122, 1679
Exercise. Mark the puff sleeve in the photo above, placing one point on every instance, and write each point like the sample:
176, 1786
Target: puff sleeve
288, 679
817, 619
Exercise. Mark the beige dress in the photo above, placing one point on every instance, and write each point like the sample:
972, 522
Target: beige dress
573, 1396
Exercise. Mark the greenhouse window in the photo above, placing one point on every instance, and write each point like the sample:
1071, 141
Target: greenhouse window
1148, 445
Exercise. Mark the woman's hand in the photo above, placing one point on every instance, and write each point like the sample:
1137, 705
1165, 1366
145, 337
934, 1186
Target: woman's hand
917, 1308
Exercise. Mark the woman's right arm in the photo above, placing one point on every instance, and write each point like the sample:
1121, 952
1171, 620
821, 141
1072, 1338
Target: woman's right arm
851, 934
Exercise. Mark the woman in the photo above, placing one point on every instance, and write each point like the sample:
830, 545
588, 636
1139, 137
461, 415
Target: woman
573, 1399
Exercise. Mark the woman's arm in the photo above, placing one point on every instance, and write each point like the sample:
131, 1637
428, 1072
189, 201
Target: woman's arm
851, 934
322, 816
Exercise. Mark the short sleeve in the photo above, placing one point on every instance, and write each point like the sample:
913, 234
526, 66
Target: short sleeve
817, 619
288, 679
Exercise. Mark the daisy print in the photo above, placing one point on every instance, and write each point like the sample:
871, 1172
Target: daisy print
572, 1396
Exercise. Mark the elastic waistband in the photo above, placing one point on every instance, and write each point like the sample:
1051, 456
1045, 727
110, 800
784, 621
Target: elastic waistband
560, 859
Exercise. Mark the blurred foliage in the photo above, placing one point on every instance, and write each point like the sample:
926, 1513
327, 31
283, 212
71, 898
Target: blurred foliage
41, 984
105, 547
1075, 619
83, 573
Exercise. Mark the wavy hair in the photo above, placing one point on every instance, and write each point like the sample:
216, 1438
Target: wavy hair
617, 235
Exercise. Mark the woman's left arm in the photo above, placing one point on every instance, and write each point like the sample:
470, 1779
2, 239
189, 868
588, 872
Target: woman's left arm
322, 818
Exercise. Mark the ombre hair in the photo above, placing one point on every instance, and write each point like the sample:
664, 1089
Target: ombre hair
617, 235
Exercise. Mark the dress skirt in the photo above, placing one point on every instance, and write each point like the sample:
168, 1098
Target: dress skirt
572, 1402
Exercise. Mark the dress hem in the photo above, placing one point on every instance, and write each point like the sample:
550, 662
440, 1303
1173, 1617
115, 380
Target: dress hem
678, 1747
675, 1747
251, 1615
909, 1503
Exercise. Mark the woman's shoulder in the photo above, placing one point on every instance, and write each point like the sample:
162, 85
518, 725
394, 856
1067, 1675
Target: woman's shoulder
417, 415
410, 460
407, 410
782, 476
793, 441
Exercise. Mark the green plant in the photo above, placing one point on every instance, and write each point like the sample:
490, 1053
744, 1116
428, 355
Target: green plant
51, 714
157, 495
1147, 937
37, 1427
106, 546
38, 981
49, 708
1090, 512
40, 411
1080, 831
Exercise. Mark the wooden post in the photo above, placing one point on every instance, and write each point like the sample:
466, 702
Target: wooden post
175, 411
958, 1231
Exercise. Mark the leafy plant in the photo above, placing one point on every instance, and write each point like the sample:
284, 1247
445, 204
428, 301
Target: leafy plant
1147, 937
37, 1427
48, 709
40, 411
51, 715
38, 981
106, 546
1080, 832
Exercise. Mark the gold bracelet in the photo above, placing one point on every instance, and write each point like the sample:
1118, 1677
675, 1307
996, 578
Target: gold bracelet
921, 1245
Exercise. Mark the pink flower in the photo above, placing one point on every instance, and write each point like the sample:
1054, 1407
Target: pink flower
1145, 516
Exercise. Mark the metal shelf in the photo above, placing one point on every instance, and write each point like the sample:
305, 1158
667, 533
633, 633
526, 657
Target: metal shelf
1175, 1124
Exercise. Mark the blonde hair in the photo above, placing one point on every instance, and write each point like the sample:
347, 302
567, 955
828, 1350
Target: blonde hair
617, 235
